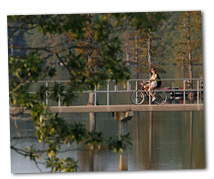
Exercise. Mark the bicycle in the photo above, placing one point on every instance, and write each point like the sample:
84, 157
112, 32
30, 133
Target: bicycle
138, 97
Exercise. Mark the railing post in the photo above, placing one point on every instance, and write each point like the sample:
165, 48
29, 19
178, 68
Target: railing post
95, 95
107, 93
200, 89
128, 86
197, 91
46, 94
136, 92
184, 92
115, 87
149, 92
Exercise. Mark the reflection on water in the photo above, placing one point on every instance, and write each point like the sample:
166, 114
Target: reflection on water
160, 140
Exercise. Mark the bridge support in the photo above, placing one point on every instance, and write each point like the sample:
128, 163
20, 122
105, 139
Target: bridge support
122, 118
92, 120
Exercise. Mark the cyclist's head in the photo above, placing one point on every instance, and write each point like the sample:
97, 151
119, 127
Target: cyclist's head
153, 69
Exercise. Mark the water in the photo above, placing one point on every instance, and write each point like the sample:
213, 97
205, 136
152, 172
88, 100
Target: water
160, 141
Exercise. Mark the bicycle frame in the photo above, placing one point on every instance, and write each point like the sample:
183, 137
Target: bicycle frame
147, 93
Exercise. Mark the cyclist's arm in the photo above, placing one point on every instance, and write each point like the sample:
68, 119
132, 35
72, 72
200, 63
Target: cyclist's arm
150, 79
155, 77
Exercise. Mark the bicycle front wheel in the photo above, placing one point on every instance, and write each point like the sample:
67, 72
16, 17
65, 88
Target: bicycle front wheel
137, 97
161, 97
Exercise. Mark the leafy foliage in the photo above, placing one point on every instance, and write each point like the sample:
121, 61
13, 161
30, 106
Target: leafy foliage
95, 139
90, 55
119, 145
58, 164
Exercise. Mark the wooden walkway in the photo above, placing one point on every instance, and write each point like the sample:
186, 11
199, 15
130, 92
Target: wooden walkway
119, 108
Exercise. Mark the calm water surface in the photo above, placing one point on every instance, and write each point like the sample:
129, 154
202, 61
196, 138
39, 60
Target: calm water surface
160, 141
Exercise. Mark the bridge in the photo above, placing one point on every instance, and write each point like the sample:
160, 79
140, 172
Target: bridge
118, 108
171, 85
130, 87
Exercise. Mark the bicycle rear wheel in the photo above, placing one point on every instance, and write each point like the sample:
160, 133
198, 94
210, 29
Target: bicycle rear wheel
137, 97
161, 97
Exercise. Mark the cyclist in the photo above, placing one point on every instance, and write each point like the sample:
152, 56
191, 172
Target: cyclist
153, 85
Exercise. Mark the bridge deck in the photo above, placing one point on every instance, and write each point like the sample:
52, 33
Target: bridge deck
120, 108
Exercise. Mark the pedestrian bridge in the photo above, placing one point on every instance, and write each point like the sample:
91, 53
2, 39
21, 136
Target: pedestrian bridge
129, 87
117, 108
174, 85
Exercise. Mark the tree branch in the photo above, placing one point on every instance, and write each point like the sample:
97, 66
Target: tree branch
59, 58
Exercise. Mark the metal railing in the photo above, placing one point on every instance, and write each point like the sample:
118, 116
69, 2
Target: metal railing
133, 85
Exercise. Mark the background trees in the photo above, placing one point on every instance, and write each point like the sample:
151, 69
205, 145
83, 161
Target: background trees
139, 39
188, 45
181, 38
